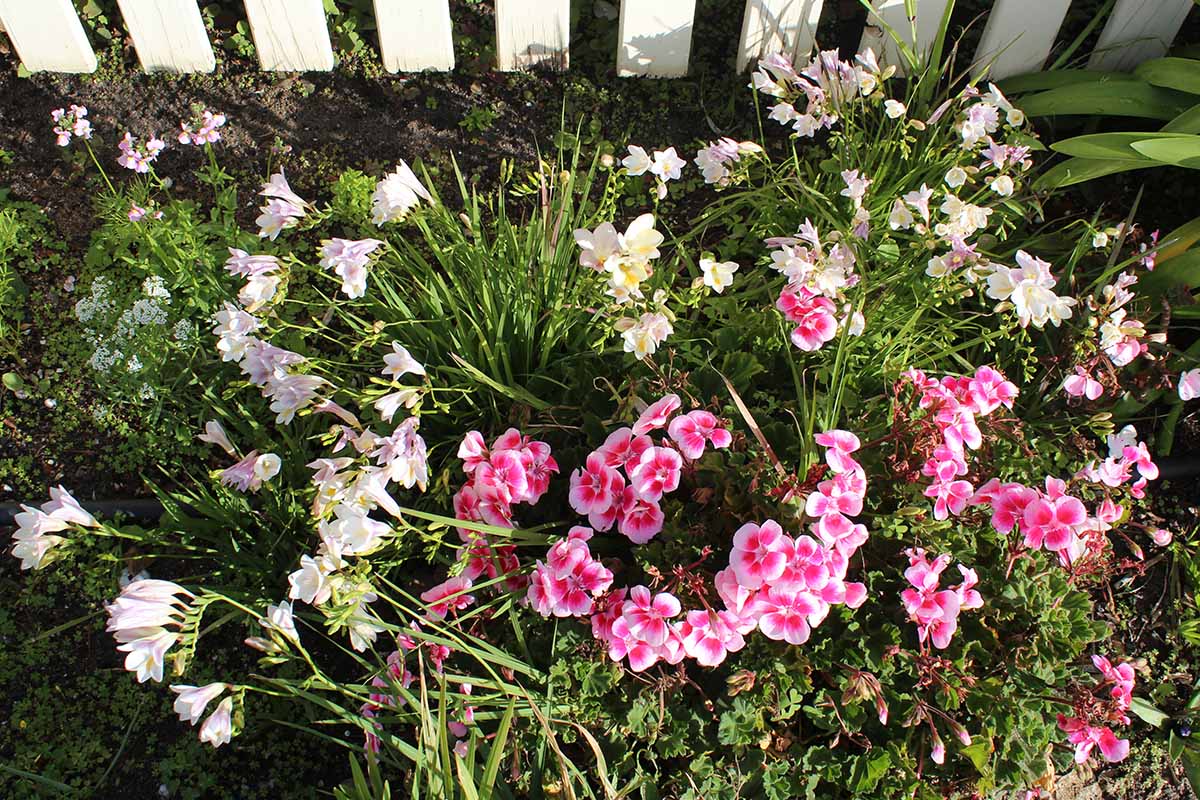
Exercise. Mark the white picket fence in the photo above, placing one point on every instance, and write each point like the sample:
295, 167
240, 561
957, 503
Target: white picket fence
655, 35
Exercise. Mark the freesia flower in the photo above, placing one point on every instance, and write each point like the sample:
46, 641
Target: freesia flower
349, 261
139, 620
400, 362
718, 274
218, 728
397, 194
894, 109
1189, 385
192, 700
638, 162
215, 434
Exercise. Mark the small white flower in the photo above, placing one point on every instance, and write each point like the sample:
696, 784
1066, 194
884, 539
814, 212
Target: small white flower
192, 700
267, 466
956, 177
894, 109
637, 162
718, 274
218, 728
1002, 185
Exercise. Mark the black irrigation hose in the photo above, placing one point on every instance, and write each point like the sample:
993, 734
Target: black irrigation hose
149, 510
139, 509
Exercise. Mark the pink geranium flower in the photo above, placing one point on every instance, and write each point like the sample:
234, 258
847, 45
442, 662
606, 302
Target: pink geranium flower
656, 473
447, 596
708, 636
760, 553
595, 488
624, 449
640, 519
656, 415
691, 431
647, 616
785, 615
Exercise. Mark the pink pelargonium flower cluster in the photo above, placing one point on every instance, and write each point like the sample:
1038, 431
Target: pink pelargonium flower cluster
1126, 457
568, 581
202, 129
1088, 726
953, 405
631, 501
139, 157
71, 121
514, 470
816, 284
933, 609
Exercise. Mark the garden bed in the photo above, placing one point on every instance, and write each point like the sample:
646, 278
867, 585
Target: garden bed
66, 429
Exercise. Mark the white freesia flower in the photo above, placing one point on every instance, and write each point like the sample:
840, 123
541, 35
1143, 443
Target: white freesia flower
311, 583
956, 177
400, 362
280, 618
637, 162
718, 275
192, 700
894, 109
267, 466
215, 434
218, 728
396, 195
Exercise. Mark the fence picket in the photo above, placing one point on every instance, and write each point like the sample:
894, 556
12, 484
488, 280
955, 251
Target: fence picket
928, 17
290, 35
1018, 36
774, 26
168, 35
655, 37
48, 35
1138, 30
415, 35
532, 32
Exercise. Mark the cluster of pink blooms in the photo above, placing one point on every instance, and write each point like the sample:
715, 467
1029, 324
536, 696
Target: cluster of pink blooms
953, 405
630, 500
349, 261
1121, 338
71, 121
779, 585
139, 157
817, 280
514, 470
202, 129
825, 85
933, 609
1088, 727
283, 209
